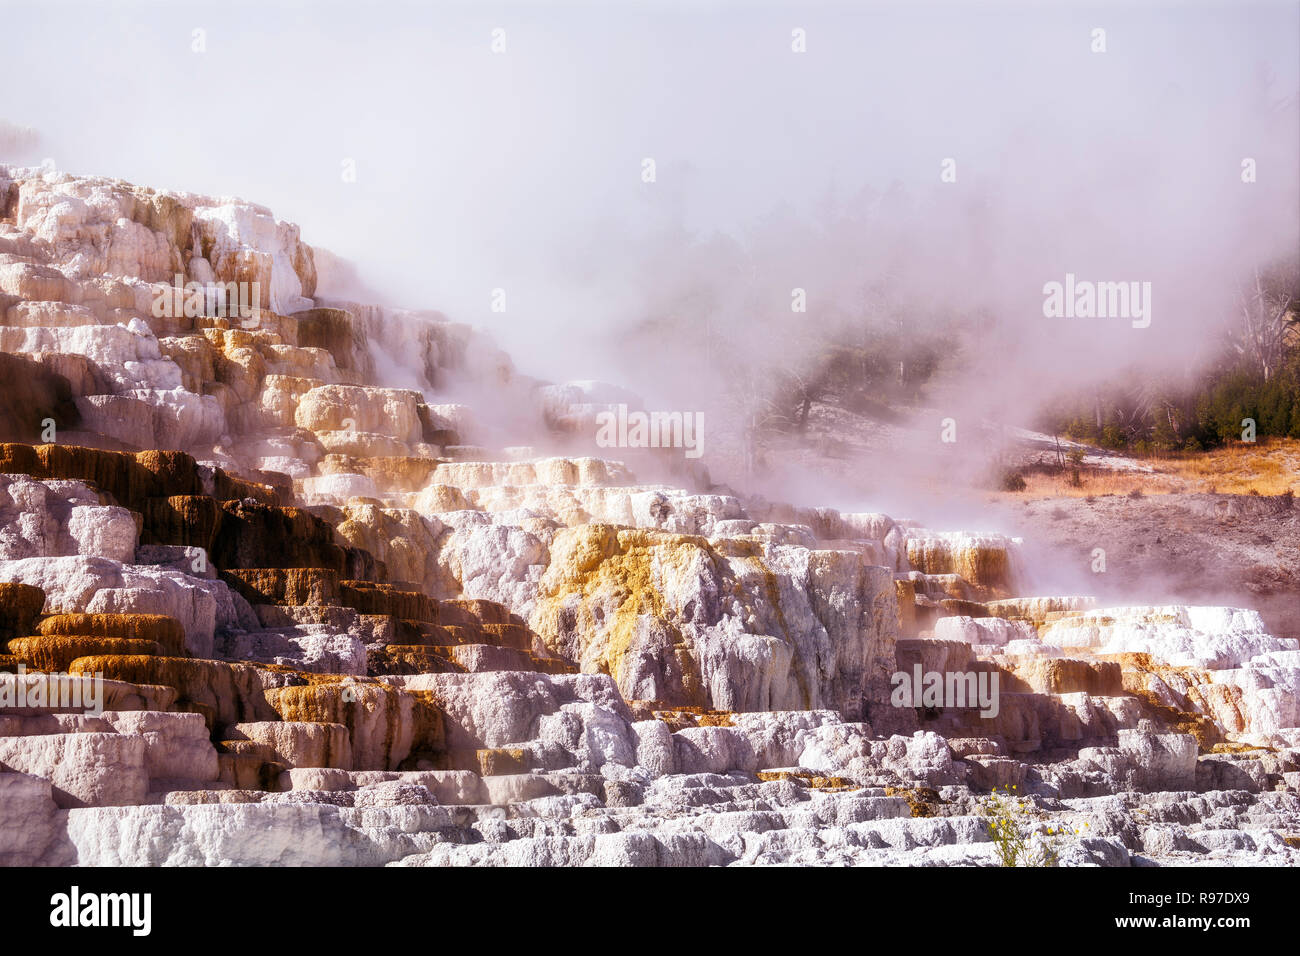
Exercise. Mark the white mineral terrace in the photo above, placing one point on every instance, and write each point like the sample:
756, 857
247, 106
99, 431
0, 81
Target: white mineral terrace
339, 617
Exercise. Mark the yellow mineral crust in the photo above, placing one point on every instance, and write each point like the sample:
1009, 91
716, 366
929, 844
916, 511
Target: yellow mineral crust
165, 631
808, 779
600, 565
1038, 610
670, 617
1186, 697
983, 562
385, 724
57, 652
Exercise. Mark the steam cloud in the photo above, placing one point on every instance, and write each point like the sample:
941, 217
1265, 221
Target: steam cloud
775, 170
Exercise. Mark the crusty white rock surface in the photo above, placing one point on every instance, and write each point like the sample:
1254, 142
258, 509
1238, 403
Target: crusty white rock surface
393, 628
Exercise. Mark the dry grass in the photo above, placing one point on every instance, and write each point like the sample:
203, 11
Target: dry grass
1096, 483
1264, 468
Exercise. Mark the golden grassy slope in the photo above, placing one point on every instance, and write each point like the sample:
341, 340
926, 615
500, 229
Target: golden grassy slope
1265, 468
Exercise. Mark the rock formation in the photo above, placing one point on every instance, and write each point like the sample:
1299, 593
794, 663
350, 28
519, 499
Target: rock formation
334, 616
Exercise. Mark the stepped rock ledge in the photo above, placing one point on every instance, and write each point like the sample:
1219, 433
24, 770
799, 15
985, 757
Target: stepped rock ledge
334, 616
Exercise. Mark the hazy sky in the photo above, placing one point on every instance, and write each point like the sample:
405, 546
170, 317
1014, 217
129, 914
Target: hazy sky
522, 169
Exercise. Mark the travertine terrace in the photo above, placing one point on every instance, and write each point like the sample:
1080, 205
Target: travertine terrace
339, 621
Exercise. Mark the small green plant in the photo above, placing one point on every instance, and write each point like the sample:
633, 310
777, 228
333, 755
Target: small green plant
1013, 481
1012, 825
